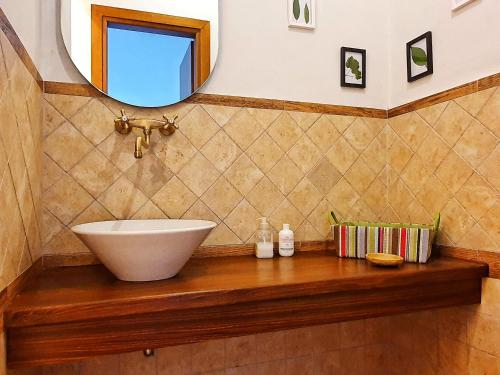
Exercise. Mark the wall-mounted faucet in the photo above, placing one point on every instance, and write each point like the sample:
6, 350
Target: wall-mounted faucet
125, 124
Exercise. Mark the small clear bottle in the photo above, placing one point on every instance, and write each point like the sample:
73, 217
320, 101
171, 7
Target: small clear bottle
286, 241
264, 240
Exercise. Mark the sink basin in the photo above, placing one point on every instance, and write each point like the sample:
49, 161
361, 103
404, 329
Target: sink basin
144, 250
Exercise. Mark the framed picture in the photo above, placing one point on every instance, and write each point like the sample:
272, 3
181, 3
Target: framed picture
419, 57
302, 13
352, 67
456, 4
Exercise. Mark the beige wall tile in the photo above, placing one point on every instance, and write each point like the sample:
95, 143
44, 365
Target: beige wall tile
222, 197
149, 174
452, 123
324, 176
323, 133
174, 199
244, 174
304, 119
198, 174
473, 103
305, 154
198, 126
243, 128
95, 121
265, 153
305, 196
122, 199
489, 114
342, 155
265, 197
221, 151
285, 175
476, 144
285, 131
240, 218
221, 114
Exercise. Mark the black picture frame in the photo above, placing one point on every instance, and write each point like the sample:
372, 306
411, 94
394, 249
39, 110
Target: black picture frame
343, 52
430, 60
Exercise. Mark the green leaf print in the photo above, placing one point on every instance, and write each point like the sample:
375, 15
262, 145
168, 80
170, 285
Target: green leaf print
418, 56
307, 16
296, 9
353, 64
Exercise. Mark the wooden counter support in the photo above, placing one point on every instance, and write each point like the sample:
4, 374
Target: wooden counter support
72, 313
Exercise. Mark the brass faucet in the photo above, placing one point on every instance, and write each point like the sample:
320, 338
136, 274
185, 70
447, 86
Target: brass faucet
125, 124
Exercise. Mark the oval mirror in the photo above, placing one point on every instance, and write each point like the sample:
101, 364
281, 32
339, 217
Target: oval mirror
147, 53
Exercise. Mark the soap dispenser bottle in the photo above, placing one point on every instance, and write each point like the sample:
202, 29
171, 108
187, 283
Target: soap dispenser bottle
264, 240
286, 241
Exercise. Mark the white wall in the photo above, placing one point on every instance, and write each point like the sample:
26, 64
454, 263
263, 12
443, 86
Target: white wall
466, 45
78, 39
260, 56
27, 22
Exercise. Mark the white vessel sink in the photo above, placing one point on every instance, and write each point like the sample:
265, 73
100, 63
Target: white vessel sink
144, 250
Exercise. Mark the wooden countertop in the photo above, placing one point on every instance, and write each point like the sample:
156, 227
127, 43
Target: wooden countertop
72, 313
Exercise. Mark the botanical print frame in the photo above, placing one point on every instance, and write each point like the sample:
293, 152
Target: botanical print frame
457, 4
419, 59
352, 67
302, 14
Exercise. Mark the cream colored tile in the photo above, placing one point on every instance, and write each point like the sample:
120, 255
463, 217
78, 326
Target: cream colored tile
243, 128
490, 300
66, 146
101, 365
455, 221
149, 211
285, 175
375, 196
149, 174
399, 197
305, 196
51, 118
95, 173
318, 218
137, 363
198, 174
66, 199
375, 155
489, 168
342, 197
305, 154
481, 363
411, 128
265, 197
174, 151
67, 105
476, 196
453, 172
473, 103
415, 173
476, 144
324, 176
198, 126
265, 116
431, 114
174, 198
265, 153
304, 119
222, 197
123, 199
270, 346
119, 149
476, 238
433, 150
174, 360
452, 123
208, 356
51, 226
241, 351
286, 213
95, 121
323, 133
307, 232
93, 213
200, 211
359, 135
181, 109
360, 176
299, 342
341, 122
221, 151
285, 131
222, 235
489, 115
398, 155
244, 174
51, 172
65, 242
241, 220
489, 222
342, 155
221, 114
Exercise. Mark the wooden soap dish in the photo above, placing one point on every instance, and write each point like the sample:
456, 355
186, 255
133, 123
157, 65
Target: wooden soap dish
384, 260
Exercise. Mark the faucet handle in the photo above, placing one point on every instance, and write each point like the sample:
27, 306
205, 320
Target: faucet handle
122, 125
170, 125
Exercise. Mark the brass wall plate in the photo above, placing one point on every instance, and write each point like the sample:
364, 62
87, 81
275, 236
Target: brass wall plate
384, 260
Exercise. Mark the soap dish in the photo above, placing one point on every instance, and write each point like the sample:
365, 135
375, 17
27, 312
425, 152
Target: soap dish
384, 260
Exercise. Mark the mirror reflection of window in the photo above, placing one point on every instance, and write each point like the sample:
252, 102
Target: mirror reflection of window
146, 63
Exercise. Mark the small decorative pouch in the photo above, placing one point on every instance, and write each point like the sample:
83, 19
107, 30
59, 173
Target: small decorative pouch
413, 242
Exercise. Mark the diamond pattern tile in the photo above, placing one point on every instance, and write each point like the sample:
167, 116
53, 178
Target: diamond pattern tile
232, 165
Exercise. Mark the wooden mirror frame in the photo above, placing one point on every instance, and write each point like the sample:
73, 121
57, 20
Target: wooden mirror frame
199, 30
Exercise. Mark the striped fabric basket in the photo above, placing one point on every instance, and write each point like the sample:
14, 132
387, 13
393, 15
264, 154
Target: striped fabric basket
411, 241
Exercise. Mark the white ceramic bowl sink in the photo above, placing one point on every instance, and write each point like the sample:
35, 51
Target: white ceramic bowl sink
144, 250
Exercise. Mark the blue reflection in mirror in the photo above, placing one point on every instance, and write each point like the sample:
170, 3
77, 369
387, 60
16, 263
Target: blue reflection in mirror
149, 67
